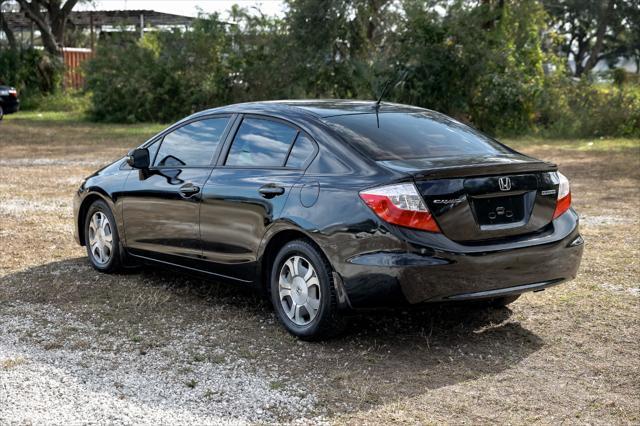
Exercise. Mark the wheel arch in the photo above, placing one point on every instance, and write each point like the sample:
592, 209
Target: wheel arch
276, 238
87, 201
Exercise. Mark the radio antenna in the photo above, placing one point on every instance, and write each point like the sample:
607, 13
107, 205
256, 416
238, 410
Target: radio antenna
403, 76
377, 105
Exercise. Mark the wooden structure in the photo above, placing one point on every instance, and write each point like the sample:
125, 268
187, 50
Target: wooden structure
73, 59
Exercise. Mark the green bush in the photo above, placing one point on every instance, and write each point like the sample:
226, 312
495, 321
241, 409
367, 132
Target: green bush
168, 75
484, 65
31, 71
122, 80
584, 109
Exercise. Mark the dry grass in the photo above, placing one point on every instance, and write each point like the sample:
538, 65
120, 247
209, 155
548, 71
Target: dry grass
569, 354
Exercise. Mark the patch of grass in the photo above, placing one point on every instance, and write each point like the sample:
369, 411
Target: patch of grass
199, 358
247, 353
276, 385
588, 145
135, 338
79, 119
217, 359
191, 384
49, 346
12, 362
38, 116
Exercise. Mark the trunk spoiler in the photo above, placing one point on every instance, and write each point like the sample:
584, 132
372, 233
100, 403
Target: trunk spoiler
469, 170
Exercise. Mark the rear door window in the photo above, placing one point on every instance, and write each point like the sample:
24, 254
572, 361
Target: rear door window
192, 145
406, 136
302, 149
261, 143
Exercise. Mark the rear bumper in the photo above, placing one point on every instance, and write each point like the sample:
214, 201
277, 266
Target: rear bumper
501, 292
9, 106
456, 272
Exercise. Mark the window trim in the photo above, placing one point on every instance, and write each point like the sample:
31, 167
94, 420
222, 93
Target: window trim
216, 153
222, 160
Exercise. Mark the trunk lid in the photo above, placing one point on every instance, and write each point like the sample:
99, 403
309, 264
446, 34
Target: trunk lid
479, 198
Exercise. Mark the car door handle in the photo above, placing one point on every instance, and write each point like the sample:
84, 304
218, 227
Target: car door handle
189, 189
271, 190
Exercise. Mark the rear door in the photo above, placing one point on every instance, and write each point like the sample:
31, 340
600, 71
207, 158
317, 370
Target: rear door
161, 206
248, 189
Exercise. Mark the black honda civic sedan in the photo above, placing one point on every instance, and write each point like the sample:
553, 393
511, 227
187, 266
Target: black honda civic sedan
334, 205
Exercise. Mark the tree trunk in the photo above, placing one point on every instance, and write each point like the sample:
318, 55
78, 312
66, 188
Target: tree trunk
33, 11
605, 17
11, 38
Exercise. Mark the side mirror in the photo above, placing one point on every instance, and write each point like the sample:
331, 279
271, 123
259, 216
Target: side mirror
138, 158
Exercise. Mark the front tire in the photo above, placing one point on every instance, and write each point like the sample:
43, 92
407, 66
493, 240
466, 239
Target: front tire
302, 291
101, 238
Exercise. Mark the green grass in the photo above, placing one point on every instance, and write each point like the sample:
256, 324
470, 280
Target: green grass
588, 144
53, 119
48, 116
144, 130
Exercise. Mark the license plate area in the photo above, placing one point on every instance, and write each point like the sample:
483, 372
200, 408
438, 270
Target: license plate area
499, 210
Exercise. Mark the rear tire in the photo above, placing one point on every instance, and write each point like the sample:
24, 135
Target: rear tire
303, 292
102, 239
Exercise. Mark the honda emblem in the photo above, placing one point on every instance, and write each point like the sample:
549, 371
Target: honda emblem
504, 183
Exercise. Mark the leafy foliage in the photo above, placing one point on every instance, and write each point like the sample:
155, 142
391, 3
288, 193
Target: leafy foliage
493, 63
30, 71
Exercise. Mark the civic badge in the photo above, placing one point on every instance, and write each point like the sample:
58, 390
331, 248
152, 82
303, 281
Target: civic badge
504, 183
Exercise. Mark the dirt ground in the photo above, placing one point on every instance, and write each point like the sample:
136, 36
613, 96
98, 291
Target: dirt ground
155, 346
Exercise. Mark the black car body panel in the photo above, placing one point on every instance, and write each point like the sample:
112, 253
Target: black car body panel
228, 227
9, 100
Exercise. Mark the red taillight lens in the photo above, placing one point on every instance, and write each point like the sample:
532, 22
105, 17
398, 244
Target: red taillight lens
564, 196
13, 92
401, 205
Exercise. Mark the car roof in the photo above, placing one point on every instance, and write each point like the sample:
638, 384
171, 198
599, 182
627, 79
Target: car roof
320, 108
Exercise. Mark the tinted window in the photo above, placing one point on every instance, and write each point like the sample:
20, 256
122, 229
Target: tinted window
261, 143
301, 151
413, 135
191, 145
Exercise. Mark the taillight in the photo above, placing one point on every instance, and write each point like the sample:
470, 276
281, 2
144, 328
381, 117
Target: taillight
13, 92
564, 196
400, 204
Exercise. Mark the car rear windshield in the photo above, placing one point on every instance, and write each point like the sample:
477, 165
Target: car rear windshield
412, 135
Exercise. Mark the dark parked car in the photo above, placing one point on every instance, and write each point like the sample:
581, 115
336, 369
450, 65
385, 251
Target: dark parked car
9, 102
334, 205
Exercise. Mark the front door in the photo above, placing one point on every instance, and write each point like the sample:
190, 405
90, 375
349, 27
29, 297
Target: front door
161, 206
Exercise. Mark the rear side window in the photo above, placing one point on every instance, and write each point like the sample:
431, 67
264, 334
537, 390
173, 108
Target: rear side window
302, 149
412, 135
192, 145
261, 143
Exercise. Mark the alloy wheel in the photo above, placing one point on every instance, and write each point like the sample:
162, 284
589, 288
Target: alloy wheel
299, 290
100, 238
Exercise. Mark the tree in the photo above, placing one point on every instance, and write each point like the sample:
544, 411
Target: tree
593, 29
50, 16
4, 26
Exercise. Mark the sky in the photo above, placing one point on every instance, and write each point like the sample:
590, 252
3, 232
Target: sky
185, 7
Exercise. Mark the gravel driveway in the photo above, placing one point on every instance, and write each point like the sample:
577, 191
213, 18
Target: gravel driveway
82, 382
